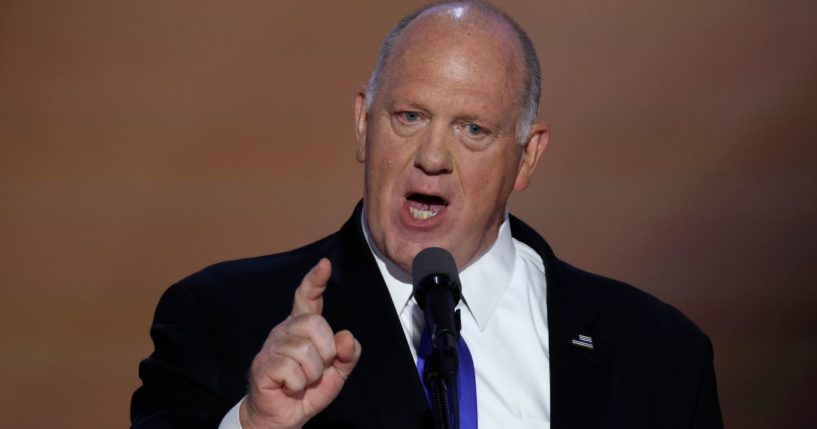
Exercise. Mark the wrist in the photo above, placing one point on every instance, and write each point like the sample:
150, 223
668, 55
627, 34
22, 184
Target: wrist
249, 417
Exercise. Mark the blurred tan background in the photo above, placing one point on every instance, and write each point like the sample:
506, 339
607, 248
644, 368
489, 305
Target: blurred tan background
143, 140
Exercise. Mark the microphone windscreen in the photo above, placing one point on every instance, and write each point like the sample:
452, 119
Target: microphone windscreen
434, 260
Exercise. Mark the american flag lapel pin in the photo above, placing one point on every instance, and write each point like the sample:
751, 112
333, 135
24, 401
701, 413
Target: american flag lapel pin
582, 341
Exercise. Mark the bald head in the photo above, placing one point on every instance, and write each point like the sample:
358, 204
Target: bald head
463, 22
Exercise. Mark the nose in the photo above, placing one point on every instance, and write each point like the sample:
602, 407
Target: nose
433, 154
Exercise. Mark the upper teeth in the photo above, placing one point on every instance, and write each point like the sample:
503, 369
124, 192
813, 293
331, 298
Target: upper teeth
421, 214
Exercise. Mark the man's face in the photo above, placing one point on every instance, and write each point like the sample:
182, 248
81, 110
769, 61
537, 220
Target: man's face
439, 142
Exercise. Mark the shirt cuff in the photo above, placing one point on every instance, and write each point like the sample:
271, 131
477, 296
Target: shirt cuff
231, 420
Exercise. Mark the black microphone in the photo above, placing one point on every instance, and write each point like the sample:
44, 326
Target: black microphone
437, 291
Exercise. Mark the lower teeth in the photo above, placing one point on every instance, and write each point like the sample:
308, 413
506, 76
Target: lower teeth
421, 214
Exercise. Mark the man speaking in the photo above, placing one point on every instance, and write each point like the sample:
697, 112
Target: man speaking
330, 335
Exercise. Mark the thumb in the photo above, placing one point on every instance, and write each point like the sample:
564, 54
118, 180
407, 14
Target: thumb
348, 353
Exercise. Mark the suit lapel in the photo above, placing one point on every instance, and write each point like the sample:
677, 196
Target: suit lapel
579, 376
357, 299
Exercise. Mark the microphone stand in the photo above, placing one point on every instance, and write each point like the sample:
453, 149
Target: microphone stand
440, 372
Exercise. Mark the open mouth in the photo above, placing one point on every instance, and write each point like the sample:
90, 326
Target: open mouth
423, 206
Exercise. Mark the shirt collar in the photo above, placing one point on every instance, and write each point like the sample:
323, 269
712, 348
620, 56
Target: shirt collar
484, 282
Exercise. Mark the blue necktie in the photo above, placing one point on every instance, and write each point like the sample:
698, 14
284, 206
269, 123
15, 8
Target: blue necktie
466, 383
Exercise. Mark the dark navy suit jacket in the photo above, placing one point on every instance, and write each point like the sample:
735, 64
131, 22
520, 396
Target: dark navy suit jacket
650, 367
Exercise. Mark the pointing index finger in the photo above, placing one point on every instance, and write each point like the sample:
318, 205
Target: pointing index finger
309, 295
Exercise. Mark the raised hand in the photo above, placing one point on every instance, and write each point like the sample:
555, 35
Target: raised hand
303, 365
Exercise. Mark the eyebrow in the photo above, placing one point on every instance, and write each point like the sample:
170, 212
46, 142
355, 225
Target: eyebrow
405, 104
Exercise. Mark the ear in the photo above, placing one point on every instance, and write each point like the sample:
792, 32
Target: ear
360, 124
531, 152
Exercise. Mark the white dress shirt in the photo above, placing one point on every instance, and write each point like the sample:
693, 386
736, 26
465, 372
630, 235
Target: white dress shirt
504, 324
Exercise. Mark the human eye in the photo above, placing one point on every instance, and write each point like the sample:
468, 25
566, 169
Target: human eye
475, 130
409, 117
474, 135
407, 122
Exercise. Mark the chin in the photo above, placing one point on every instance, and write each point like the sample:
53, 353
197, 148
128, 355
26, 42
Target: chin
406, 252
403, 255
